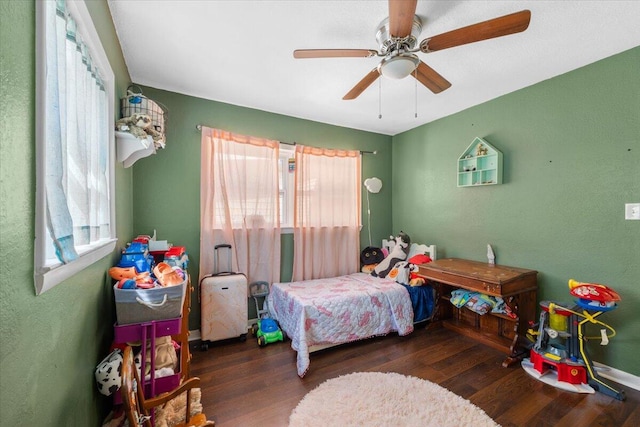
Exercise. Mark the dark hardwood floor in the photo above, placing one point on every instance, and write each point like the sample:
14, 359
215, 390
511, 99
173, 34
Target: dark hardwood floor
245, 385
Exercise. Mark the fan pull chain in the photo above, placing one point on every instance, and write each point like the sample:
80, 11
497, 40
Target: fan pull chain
415, 74
379, 98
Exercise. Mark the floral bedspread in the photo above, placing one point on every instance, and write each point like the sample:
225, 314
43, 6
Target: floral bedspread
339, 310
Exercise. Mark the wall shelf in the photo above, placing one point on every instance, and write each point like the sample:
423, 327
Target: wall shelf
480, 164
131, 148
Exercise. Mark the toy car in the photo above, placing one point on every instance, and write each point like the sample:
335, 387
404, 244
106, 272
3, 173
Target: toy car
267, 331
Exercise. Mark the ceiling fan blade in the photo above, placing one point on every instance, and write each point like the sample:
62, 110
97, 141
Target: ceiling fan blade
431, 78
362, 85
334, 53
401, 13
497, 27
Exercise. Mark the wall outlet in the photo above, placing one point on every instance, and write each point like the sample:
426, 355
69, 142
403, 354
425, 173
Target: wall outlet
632, 211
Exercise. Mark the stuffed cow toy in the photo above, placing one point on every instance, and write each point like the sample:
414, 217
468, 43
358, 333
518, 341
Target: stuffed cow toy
397, 254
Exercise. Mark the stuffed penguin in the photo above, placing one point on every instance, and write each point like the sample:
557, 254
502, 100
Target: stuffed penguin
397, 254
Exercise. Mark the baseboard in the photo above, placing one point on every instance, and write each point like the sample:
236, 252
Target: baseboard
621, 377
194, 335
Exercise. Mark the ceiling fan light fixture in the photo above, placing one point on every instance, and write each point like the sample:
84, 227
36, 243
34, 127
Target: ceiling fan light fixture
399, 67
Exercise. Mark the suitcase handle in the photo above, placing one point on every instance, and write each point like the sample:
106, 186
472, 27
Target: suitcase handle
151, 304
216, 259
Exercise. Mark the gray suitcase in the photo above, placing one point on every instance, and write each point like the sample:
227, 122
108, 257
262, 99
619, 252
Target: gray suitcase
223, 303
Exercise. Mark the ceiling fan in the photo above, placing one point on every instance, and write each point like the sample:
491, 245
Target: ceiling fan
397, 36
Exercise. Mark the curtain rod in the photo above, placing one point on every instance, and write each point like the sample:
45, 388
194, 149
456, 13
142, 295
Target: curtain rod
199, 127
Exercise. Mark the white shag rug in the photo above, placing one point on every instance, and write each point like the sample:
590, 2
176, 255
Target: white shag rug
385, 399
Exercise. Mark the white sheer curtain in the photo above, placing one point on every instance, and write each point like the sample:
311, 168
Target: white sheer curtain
239, 203
327, 217
77, 177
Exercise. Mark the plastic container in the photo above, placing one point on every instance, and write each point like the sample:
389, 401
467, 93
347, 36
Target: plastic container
145, 305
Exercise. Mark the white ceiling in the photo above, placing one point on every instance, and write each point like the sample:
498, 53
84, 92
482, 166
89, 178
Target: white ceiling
240, 52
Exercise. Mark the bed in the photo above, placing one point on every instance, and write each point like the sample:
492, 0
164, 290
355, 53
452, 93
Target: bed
322, 313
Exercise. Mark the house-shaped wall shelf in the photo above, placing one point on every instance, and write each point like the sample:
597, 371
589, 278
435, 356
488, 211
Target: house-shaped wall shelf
480, 164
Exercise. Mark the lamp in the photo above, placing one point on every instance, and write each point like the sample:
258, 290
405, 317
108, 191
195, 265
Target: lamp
398, 67
373, 185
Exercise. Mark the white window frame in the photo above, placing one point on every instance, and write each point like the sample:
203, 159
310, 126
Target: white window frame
287, 182
47, 272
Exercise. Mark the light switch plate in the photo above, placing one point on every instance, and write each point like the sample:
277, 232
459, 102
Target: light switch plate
632, 211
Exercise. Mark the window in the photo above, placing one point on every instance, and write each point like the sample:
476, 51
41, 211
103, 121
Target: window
286, 170
75, 212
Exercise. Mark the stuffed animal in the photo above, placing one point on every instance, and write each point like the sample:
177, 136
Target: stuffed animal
135, 124
400, 272
398, 253
158, 137
481, 150
368, 268
370, 257
108, 373
414, 279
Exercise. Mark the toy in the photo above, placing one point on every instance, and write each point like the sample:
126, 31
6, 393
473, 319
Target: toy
266, 329
136, 124
559, 355
108, 373
398, 253
414, 278
481, 150
370, 257
136, 255
400, 272
368, 268
167, 275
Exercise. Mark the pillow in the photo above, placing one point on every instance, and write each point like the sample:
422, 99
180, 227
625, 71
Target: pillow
420, 259
459, 297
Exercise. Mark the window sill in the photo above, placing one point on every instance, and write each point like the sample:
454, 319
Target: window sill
48, 277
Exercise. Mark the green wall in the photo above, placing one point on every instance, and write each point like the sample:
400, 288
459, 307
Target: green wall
571, 149
167, 185
49, 344
571, 162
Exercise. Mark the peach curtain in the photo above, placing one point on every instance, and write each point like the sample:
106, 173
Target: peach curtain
239, 203
327, 216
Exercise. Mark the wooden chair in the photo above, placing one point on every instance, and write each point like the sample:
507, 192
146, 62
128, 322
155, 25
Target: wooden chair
138, 408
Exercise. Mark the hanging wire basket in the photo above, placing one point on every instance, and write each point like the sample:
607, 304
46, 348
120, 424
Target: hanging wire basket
136, 103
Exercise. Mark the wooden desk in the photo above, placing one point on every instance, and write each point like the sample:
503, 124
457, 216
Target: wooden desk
517, 286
